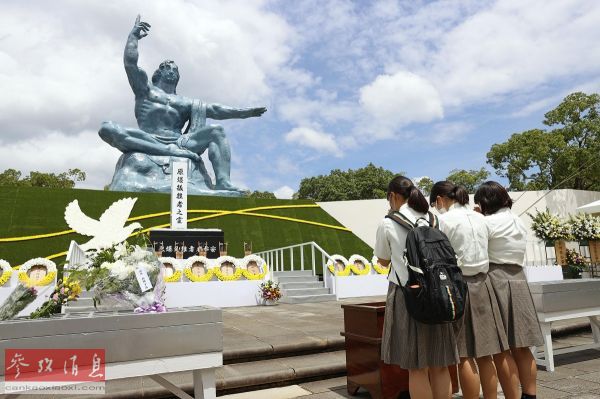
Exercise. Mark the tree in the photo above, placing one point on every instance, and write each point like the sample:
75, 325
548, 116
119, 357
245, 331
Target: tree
369, 182
566, 156
12, 178
262, 194
425, 184
470, 179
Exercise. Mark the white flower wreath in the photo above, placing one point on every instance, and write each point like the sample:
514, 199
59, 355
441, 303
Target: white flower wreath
217, 269
187, 270
359, 272
6, 272
262, 265
177, 268
50, 271
338, 258
378, 268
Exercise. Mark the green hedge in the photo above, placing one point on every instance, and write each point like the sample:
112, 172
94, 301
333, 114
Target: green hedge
31, 211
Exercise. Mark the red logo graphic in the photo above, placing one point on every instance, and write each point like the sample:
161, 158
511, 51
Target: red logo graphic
41, 365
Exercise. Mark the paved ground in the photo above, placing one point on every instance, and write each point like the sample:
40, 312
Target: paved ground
284, 327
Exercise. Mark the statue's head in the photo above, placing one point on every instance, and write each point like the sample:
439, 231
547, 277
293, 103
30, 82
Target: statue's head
167, 71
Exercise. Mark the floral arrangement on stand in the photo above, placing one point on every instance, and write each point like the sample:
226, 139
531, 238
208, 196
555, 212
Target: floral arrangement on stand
352, 262
6, 272
189, 273
260, 264
47, 279
585, 227
18, 300
333, 265
575, 264
378, 268
549, 227
237, 273
175, 264
66, 291
270, 292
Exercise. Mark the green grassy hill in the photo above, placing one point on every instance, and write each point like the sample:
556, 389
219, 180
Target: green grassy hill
34, 211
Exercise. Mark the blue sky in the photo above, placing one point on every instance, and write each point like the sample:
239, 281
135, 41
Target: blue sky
422, 87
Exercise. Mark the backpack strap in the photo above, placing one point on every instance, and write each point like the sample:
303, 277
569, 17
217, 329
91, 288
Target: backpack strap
433, 220
401, 220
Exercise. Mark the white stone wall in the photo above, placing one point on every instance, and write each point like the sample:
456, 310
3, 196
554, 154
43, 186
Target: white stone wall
362, 217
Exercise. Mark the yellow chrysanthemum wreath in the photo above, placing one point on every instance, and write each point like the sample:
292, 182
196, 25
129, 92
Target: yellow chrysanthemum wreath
187, 270
217, 269
338, 258
50, 274
359, 272
176, 263
378, 268
6, 272
261, 264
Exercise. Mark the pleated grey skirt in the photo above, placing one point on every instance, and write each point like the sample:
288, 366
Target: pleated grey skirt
411, 344
516, 305
481, 331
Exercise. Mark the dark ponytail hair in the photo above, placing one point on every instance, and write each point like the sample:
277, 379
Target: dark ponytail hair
491, 197
449, 190
405, 187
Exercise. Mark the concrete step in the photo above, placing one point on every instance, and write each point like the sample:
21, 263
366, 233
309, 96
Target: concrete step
293, 273
308, 298
305, 291
297, 279
291, 286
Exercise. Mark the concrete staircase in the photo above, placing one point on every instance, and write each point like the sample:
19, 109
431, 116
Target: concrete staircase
302, 287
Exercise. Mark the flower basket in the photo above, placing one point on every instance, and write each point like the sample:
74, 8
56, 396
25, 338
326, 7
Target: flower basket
560, 248
595, 250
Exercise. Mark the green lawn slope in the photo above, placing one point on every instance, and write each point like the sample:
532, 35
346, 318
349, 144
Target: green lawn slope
32, 211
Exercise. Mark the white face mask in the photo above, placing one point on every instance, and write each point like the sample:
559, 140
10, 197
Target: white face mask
441, 210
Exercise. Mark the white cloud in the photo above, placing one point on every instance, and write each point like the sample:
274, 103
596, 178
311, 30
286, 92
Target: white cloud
57, 152
396, 100
314, 139
284, 192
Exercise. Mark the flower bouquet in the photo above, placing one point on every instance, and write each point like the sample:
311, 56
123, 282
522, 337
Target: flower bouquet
17, 301
270, 292
124, 275
65, 291
585, 227
549, 227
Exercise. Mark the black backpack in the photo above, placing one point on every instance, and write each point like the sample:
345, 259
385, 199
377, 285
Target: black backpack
436, 291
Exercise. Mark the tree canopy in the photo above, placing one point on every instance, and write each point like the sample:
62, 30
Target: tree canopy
12, 178
370, 182
470, 179
262, 194
567, 155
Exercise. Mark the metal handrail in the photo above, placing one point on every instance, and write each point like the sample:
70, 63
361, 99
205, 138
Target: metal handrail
275, 258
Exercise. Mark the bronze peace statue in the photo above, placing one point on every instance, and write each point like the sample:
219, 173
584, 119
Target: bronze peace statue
161, 116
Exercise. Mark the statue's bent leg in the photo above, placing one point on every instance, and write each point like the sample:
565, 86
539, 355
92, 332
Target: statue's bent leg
136, 140
219, 153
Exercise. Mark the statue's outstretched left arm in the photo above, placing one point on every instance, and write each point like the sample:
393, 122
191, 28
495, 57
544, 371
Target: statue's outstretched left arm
218, 111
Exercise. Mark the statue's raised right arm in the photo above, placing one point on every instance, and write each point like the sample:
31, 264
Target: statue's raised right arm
138, 79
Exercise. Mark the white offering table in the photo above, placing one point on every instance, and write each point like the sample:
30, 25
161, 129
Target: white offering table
134, 343
564, 300
355, 286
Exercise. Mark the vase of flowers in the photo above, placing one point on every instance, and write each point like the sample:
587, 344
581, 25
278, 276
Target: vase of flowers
586, 229
270, 293
575, 265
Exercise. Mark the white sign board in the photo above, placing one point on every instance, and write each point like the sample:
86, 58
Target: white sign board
179, 195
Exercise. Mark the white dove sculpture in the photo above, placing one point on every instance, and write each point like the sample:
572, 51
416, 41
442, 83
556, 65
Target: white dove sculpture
109, 230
